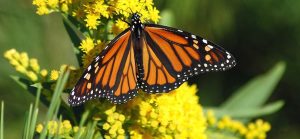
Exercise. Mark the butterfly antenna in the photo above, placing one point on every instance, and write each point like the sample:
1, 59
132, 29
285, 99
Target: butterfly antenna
125, 21
130, 10
122, 18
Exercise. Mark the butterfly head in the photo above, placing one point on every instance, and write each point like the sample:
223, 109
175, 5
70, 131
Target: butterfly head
135, 19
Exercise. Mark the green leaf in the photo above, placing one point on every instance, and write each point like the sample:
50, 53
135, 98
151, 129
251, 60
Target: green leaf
33, 88
75, 35
249, 113
26, 84
256, 92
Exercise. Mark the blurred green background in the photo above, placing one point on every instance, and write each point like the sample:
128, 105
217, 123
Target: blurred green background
258, 33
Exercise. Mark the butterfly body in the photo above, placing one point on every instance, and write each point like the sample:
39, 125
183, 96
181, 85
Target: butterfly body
149, 57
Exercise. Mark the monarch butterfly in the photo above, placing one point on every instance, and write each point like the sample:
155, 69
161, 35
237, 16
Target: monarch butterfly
150, 57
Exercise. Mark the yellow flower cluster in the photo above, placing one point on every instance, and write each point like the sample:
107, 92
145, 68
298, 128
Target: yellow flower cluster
48, 6
113, 124
30, 66
173, 115
93, 13
25, 65
255, 130
64, 129
143, 7
258, 129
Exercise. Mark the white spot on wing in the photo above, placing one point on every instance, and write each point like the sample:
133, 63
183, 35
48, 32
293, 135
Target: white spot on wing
193, 36
228, 56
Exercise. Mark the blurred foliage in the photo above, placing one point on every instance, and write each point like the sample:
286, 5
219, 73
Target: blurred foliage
258, 33
248, 101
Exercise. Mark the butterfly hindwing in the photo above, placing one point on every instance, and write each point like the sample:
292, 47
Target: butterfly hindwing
171, 56
111, 75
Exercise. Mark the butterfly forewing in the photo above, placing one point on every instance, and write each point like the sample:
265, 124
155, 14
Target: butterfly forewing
171, 56
111, 75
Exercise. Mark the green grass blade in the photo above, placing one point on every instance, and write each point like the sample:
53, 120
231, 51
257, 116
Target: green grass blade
91, 130
38, 95
2, 120
55, 101
82, 121
35, 111
27, 123
62, 80
33, 123
57, 135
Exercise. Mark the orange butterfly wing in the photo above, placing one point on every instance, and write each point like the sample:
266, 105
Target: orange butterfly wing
170, 56
111, 75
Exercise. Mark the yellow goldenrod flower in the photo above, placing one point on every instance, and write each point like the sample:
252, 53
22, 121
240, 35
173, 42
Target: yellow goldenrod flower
211, 117
64, 8
101, 8
34, 64
39, 2
253, 130
44, 72
178, 109
25, 65
145, 7
21, 69
75, 129
114, 123
106, 126
64, 128
24, 59
87, 45
121, 137
92, 21
52, 127
67, 126
153, 14
121, 117
32, 76
52, 3
39, 128
54, 75
42, 10
135, 134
